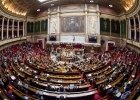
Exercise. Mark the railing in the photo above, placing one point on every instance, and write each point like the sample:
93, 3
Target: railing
9, 42
69, 94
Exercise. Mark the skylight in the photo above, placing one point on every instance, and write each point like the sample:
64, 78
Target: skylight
47, 1
42, 0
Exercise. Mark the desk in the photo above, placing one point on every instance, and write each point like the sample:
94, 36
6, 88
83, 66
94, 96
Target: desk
70, 94
56, 86
3, 95
21, 94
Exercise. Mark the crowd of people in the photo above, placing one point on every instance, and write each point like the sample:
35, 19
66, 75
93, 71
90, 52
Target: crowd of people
98, 70
125, 62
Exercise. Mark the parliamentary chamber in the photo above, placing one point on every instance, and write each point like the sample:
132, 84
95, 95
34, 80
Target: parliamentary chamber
69, 49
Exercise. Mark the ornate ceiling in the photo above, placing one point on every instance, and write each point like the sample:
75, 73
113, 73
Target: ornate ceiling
24, 7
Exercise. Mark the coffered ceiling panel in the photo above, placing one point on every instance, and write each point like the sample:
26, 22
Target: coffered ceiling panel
24, 7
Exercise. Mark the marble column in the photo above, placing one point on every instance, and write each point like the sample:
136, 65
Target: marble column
8, 28
86, 23
18, 29
139, 25
120, 28
48, 28
2, 28
135, 31
120, 33
98, 17
59, 34
13, 28
40, 26
129, 29
110, 28
23, 28
126, 30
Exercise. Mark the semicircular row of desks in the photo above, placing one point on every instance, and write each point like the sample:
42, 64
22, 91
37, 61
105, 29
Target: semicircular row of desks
40, 84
